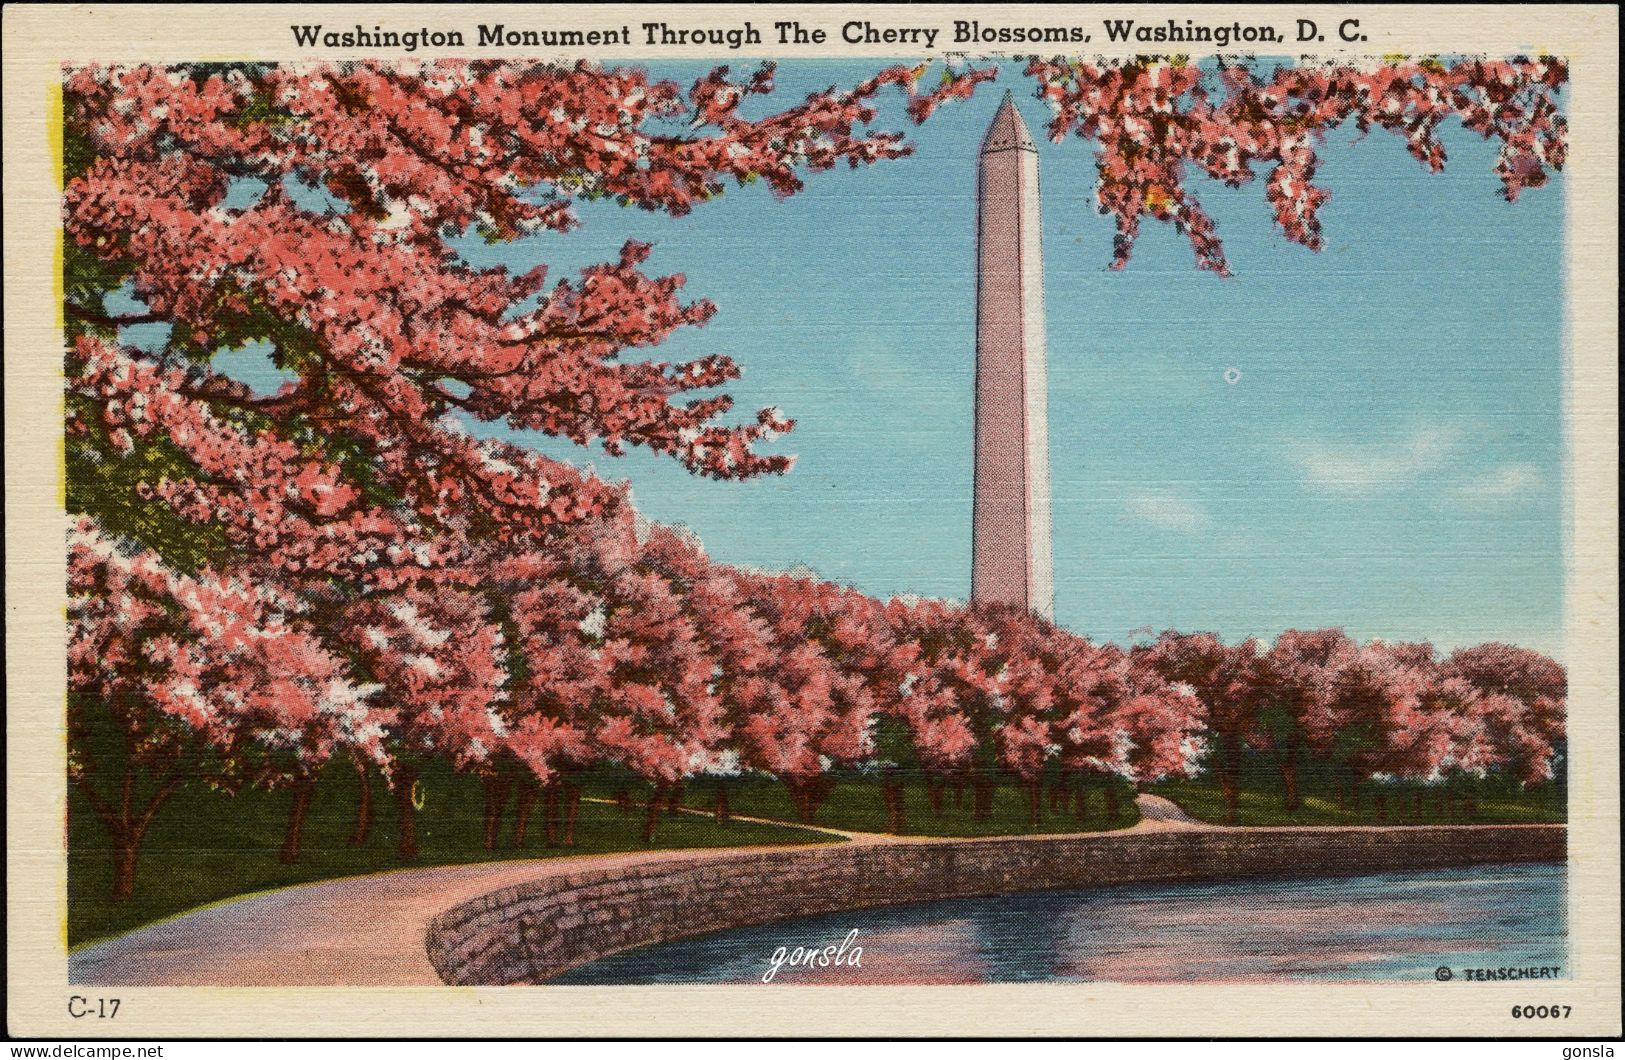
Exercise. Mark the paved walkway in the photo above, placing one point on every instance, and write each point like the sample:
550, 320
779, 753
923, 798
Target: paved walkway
1165, 813
369, 930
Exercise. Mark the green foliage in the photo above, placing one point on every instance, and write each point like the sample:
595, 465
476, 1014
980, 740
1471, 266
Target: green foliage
893, 742
86, 281
77, 151
260, 110
105, 483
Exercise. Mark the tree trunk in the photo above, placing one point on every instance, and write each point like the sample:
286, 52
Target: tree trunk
896, 819
406, 847
304, 789
497, 788
125, 850
795, 800
959, 793
982, 798
801, 794
1382, 808
722, 803
818, 791
651, 816
523, 807
125, 824
623, 800
1083, 801
550, 812
1289, 784
674, 798
1230, 777
934, 793
572, 806
363, 812
1035, 798
1111, 803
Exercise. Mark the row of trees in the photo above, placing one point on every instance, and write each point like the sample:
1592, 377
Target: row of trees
630, 649
1385, 710
626, 648
262, 581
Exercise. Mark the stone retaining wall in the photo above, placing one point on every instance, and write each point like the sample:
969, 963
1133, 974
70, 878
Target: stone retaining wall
534, 931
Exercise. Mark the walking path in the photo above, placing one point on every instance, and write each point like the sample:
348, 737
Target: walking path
1165, 813
369, 930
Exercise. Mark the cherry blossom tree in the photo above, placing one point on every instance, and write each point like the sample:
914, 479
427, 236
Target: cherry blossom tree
1156, 121
385, 331
439, 655
663, 718
1148, 729
174, 678
1027, 654
1372, 723
1097, 703
1158, 723
1526, 704
1225, 680
952, 702
1295, 685
740, 644
1438, 735
809, 709
558, 680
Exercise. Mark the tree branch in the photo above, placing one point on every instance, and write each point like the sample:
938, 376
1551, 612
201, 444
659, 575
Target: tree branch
159, 797
92, 317
103, 808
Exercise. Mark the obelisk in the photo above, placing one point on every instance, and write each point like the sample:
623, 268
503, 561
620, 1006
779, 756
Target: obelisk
1010, 531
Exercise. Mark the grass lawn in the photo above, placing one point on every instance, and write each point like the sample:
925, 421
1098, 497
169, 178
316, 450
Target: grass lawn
856, 804
205, 846
1261, 802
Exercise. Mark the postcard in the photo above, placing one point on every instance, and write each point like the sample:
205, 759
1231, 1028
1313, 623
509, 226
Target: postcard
804, 521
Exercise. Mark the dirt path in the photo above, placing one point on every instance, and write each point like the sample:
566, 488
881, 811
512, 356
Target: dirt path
369, 930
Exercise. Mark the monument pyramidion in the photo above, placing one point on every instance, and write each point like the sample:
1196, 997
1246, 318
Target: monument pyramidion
1010, 532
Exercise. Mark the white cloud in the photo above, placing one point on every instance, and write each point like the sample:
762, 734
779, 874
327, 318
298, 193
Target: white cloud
1505, 481
1368, 468
1168, 512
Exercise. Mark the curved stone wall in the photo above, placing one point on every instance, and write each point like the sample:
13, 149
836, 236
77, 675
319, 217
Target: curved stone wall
534, 931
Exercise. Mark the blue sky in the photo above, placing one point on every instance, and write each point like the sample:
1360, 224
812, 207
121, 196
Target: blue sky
1389, 460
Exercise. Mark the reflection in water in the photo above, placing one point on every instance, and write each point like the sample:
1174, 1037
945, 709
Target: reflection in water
1391, 926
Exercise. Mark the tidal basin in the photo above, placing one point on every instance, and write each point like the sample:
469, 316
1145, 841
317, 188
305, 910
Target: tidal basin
1392, 926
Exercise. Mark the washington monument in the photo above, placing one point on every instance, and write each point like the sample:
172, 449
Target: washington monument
1010, 531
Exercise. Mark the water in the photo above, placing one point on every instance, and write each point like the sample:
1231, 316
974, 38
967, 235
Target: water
1382, 927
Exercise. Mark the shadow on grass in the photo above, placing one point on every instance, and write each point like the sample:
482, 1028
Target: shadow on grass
1463, 801
856, 804
205, 846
